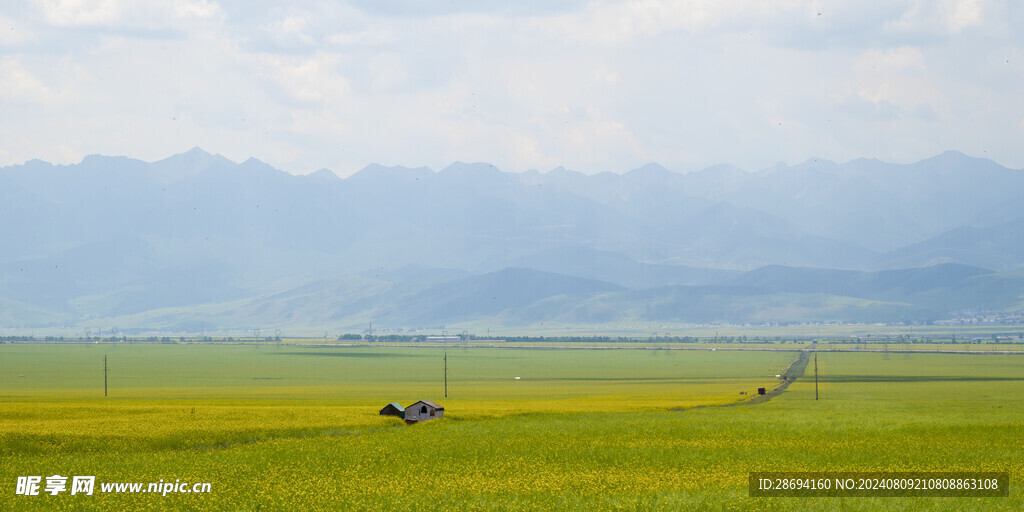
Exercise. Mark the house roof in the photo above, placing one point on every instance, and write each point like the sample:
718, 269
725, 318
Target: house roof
429, 403
396, 405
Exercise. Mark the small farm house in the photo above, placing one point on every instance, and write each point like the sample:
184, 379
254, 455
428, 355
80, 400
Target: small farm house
422, 411
393, 409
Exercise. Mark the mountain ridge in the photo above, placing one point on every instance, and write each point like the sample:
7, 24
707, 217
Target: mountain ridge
119, 239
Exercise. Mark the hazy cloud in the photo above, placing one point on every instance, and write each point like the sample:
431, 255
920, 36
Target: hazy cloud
18, 84
594, 86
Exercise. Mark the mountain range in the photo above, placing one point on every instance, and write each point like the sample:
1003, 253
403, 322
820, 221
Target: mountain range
198, 242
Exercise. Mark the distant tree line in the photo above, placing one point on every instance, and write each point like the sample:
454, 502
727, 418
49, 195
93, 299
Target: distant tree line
420, 338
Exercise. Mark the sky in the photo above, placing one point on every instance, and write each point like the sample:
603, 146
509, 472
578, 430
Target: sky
591, 86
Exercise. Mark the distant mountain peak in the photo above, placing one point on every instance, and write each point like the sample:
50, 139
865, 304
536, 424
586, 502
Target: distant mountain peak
324, 174
817, 162
38, 162
954, 157
952, 153
378, 171
651, 168
253, 161
463, 168
253, 165
562, 171
196, 156
190, 163
721, 174
101, 158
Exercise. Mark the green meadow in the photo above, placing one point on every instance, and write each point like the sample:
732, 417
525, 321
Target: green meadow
282, 427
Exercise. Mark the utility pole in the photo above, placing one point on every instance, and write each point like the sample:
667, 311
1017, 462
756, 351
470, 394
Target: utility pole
446, 372
815, 376
104, 375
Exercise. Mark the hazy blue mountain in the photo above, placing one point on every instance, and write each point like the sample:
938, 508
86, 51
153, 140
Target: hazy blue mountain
517, 297
619, 269
999, 246
874, 205
887, 206
14, 314
983, 293
492, 294
329, 304
119, 276
416, 275
702, 305
198, 241
884, 284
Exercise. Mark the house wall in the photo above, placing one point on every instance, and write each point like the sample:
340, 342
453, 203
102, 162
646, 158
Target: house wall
421, 412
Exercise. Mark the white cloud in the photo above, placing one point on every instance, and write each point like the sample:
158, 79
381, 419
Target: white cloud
613, 23
896, 79
621, 22
374, 36
289, 31
20, 85
891, 60
82, 12
590, 142
203, 9
127, 14
14, 32
942, 17
962, 14
605, 86
387, 71
324, 124
307, 79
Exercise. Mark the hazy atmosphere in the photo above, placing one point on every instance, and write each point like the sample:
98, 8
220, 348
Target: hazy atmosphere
532, 255
591, 86
318, 167
198, 242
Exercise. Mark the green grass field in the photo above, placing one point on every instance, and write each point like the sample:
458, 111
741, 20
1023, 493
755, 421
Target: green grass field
295, 428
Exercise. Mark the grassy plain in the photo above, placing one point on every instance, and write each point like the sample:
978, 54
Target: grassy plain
293, 428
926, 347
